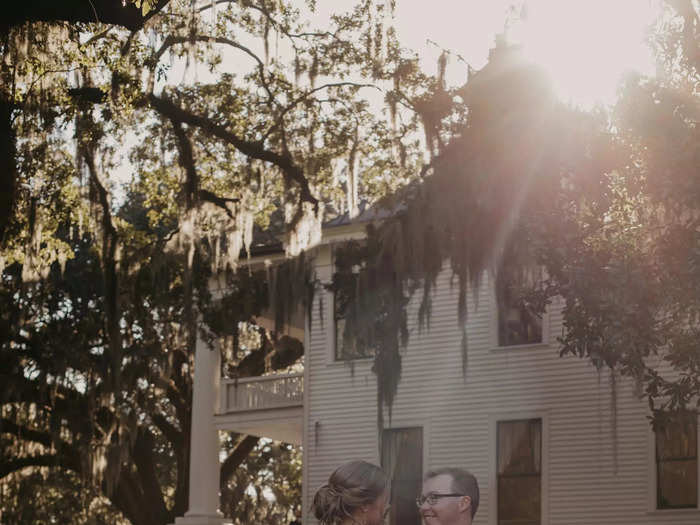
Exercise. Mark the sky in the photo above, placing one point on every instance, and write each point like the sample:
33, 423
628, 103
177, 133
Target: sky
467, 27
586, 45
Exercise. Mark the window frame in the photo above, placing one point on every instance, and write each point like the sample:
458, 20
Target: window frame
332, 332
336, 336
652, 497
494, 321
518, 415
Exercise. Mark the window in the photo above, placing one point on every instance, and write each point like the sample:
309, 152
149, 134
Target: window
354, 313
519, 318
519, 474
402, 460
348, 344
677, 463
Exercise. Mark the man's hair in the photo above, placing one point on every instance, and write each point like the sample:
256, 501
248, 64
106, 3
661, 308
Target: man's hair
463, 482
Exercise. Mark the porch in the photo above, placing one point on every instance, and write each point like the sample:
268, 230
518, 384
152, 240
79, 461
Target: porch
266, 406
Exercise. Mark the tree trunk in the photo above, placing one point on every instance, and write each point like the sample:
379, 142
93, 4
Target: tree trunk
8, 169
104, 11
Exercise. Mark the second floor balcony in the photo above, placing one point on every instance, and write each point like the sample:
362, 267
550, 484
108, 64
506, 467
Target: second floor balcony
265, 406
262, 392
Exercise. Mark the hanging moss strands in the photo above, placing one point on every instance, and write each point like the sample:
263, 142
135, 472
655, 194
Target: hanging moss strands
483, 208
278, 292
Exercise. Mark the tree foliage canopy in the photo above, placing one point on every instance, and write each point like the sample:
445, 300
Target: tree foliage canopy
105, 273
105, 261
605, 201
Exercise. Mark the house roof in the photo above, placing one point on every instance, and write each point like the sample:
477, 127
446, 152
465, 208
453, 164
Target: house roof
266, 243
367, 213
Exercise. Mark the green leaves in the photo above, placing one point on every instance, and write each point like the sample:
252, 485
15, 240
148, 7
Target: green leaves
145, 160
145, 5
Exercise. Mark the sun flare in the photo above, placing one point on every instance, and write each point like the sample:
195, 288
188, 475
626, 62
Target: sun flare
586, 45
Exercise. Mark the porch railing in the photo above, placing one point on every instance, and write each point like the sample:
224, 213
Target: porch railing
258, 393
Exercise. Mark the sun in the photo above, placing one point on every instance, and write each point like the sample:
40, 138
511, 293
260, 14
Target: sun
586, 46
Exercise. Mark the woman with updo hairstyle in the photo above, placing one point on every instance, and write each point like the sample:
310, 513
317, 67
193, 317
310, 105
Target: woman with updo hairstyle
356, 494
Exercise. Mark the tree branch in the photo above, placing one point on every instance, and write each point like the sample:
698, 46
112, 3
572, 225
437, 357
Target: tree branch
109, 265
305, 96
172, 40
254, 150
174, 395
179, 439
65, 455
285, 352
23, 390
170, 431
7, 426
90, 94
145, 466
186, 157
236, 457
97, 36
8, 172
127, 498
221, 202
209, 5
73, 11
8, 466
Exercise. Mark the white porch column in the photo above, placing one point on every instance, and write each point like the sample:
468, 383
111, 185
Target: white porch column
204, 441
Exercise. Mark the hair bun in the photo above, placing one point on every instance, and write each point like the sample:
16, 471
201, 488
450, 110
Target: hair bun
328, 504
352, 485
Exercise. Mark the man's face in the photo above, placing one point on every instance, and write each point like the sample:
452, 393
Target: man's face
446, 511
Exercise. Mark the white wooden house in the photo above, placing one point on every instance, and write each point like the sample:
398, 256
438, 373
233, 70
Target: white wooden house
536, 429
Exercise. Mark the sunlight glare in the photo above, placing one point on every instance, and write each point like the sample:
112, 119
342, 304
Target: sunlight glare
586, 45
466, 28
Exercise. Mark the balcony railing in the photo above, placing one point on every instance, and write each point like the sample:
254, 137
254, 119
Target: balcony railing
258, 393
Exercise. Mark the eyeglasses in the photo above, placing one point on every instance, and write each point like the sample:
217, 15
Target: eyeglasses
434, 497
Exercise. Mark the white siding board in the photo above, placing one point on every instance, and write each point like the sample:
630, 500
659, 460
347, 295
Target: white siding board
454, 411
341, 400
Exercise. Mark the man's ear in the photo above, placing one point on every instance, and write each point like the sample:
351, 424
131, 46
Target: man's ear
465, 504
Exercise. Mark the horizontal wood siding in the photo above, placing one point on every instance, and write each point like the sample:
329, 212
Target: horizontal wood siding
341, 400
590, 479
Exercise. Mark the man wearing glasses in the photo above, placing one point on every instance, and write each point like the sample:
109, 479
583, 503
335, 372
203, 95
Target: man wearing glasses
450, 497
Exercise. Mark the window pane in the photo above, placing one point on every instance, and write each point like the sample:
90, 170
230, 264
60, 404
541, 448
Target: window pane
340, 351
347, 345
676, 463
402, 460
519, 500
518, 321
519, 446
678, 484
519, 449
677, 440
